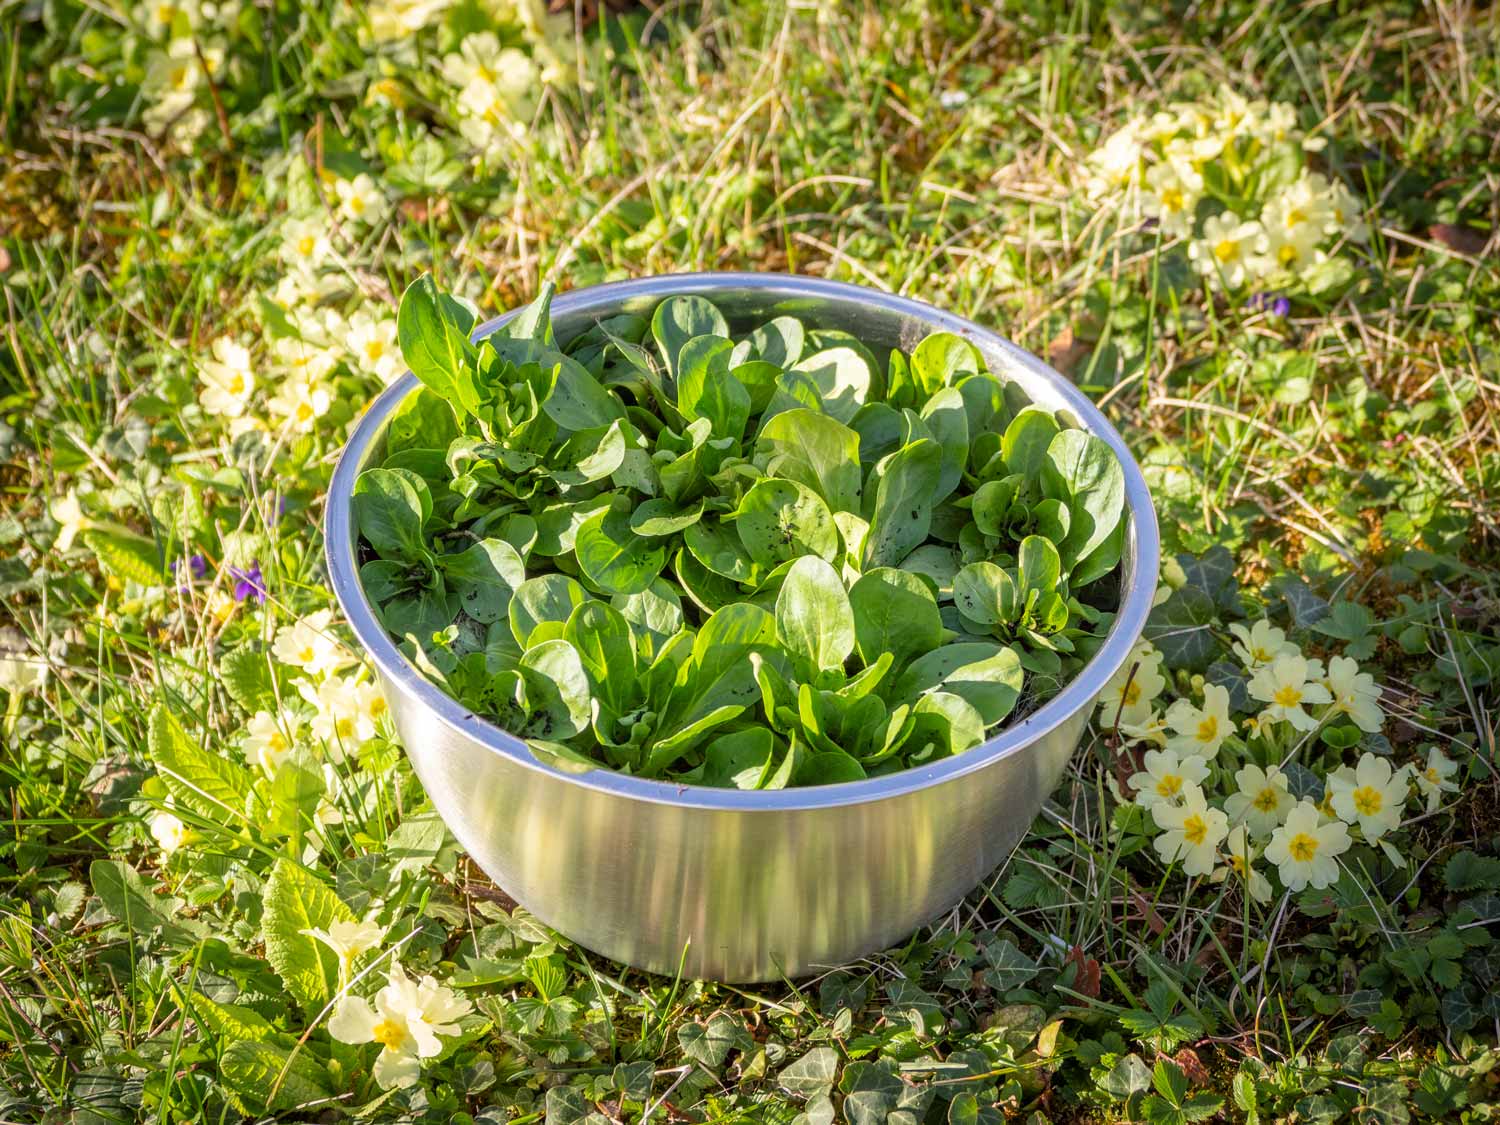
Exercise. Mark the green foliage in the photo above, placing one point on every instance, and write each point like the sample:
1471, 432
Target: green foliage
734, 508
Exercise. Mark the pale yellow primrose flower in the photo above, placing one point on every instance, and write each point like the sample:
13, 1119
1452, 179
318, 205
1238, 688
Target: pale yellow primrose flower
1345, 215
394, 20
406, 1020
1200, 730
373, 343
1166, 778
348, 711
1435, 778
1239, 856
304, 243
1191, 832
228, 379
1260, 644
1227, 249
1305, 849
307, 645
1355, 694
1371, 795
1288, 685
1263, 799
160, 18
167, 830
19, 674
1133, 687
348, 940
361, 200
1173, 191
497, 88
1142, 724
299, 403
1116, 164
269, 739
68, 512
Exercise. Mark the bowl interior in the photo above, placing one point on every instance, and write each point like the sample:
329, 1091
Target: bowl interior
881, 321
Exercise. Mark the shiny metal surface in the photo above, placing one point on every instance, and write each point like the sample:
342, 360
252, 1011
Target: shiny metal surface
731, 885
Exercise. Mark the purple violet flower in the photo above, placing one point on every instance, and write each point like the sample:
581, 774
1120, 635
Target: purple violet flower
248, 583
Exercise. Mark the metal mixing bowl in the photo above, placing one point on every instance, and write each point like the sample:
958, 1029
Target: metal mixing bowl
722, 883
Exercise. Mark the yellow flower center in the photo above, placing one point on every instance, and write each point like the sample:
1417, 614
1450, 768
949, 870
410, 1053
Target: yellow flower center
237, 384
1267, 800
180, 75
305, 654
1302, 847
357, 204
1238, 863
304, 412
389, 1033
1260, 655
1208, 729
377, 707
1226, 250
1288, 695
1368, 800
344, 728
306, 245
1194, 830
166, 13
1169, 786
1431, 774
1287, 254
1132, 693
1295, 217
374, 350
1172, 199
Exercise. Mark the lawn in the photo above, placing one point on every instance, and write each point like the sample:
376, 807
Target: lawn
1261, 236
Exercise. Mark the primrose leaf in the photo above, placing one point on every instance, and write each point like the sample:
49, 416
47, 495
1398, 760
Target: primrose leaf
678, 319
201, 780
433, 330
780, 520
814, 620
842, 377
484, 576
294, 901
615, 558
816, 450
902, 514
894, 612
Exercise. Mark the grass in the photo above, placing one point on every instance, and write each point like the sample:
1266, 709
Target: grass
1345, 455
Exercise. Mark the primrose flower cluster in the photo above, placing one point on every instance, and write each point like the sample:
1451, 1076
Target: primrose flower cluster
405, 1017
337, 709
1217, 778
1229, 177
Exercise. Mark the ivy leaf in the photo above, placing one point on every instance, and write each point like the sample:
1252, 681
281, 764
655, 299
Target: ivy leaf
1179, 628
811, 1074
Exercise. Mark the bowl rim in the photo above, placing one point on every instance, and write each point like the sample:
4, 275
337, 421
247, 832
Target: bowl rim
1078, 694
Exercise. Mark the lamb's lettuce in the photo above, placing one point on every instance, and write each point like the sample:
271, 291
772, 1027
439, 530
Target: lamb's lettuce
755, 558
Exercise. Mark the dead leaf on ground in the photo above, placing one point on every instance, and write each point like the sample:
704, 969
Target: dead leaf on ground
1192, 1066
1086, 979
1066, 352
1456, 236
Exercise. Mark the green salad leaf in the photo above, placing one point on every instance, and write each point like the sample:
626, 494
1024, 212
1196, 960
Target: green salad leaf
754, 558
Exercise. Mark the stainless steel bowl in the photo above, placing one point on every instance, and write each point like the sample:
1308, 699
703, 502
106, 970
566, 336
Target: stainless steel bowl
719, 883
